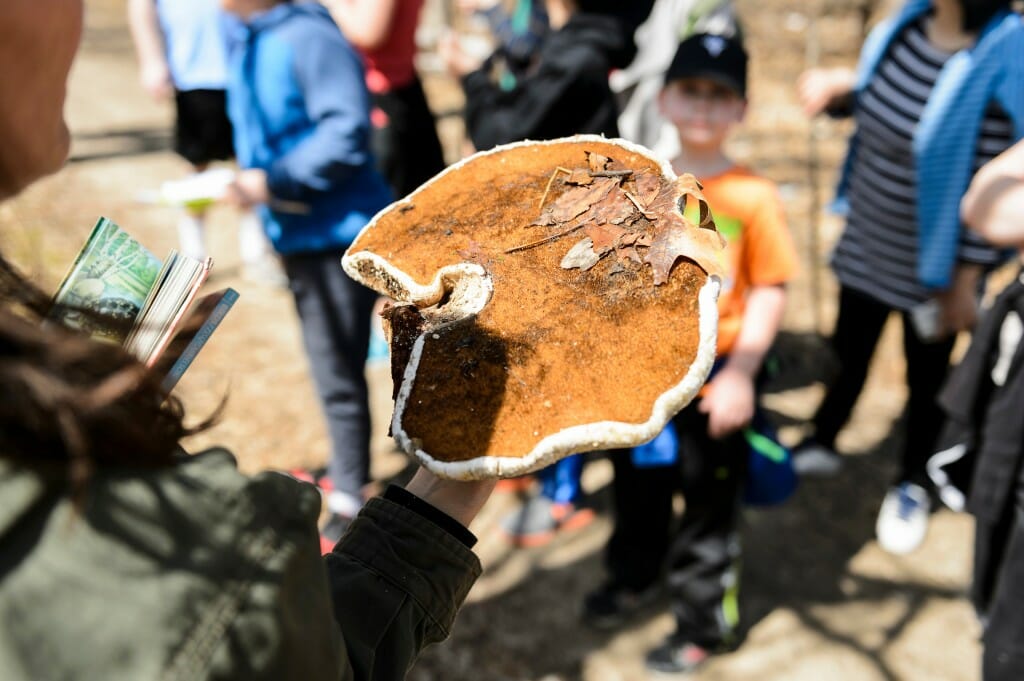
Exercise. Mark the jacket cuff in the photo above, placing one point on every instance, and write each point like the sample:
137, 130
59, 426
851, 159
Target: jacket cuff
407, 499
415, 555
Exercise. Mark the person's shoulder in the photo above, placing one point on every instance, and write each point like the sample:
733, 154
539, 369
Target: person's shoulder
219, 481
306, 23
309, 31
586, 42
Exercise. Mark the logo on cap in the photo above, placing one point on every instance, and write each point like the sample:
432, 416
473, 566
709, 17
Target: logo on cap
714, 44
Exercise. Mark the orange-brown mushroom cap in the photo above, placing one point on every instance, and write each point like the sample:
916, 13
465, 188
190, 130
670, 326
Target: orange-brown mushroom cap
551, 298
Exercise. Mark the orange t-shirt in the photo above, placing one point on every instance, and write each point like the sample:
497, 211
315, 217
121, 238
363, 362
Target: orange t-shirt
760, 252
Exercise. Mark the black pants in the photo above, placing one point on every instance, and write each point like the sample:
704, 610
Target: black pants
857, 331
202, 131
699, 553
335, 313
406, 147
998, 590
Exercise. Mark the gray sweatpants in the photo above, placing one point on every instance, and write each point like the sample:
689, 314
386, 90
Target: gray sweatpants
335, 314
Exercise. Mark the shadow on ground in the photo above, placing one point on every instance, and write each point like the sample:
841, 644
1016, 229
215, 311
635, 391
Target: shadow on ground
797, 557
119, 143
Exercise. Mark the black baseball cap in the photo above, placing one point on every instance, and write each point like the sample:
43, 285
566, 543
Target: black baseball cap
715, 57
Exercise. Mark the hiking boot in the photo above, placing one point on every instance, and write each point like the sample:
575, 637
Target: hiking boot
677, 657
811, 459
613, 605
332, 530
903, 518
540, 519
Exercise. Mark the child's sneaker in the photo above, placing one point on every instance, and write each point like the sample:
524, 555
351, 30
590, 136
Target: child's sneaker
677, 657
613, 605
903, 518
303, 475
316, 477
540, 519
332, 530
811, 459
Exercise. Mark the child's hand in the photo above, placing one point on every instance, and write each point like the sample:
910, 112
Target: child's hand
470, 6
155, 78
729, 402
817, 88
248, 189
457, 60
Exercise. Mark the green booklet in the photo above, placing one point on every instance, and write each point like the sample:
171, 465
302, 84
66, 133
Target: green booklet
109, 281
117, 291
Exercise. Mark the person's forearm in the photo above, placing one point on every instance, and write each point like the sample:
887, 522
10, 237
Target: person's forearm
761, 321
967, 276
366, 23
145, 29
994, 203
829, 90
459, 500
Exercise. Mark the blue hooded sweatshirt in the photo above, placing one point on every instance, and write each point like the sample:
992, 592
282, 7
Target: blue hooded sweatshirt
301, 112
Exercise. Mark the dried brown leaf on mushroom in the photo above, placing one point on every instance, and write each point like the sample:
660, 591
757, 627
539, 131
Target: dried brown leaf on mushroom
677, 237
581, 256
609, 216
604, 236
575, 201
597, 162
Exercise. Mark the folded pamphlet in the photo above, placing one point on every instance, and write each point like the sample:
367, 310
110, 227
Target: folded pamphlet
118, 291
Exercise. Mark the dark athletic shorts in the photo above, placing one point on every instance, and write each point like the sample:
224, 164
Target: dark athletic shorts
202, 132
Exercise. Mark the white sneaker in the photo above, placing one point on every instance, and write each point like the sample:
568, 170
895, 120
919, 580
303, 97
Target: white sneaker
903, 518
814, 460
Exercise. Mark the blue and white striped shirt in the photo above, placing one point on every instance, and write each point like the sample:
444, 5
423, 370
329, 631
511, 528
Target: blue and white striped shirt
879, 250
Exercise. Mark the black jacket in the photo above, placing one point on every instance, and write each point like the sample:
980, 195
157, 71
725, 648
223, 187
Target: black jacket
988, 419
566, 94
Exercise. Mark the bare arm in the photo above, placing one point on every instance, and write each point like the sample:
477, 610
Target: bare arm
823, 89
366, 23
729, 402
154, 74
460, 500
994, 203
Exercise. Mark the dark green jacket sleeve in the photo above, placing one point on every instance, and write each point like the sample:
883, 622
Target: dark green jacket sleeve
196, 572
396, 580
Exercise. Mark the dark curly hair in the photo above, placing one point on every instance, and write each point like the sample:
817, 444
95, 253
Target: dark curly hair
70, 403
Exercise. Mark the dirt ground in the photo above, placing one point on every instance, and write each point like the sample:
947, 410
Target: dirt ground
820, 600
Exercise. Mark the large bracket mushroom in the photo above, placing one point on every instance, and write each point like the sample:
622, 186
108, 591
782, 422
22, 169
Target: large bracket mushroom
550, 298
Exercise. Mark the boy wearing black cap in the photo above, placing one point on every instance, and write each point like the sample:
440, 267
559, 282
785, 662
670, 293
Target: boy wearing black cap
704, 97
